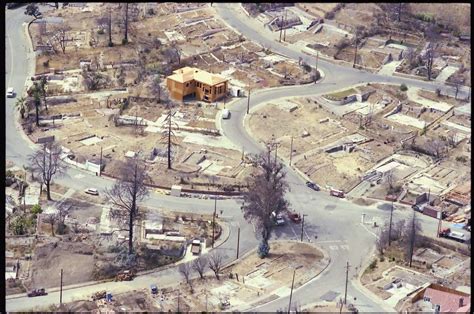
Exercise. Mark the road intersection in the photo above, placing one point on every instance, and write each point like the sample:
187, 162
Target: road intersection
332, 223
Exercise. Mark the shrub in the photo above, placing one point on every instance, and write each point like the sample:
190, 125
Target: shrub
46, 63
263, 249
373, 265
101, 32
461, 158
150, 11
36, 209
124, 41
403, 87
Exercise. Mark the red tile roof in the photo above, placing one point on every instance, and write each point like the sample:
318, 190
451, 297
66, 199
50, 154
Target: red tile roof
449, 302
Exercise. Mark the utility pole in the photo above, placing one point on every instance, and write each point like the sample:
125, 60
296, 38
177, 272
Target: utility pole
61, 289
317, 58
178, 300
284, 34
248, 100
390, 226
169, 141
238, 242
100, 162
347, 279
214, 220
291, 293
281, 26
291, 149
355, 53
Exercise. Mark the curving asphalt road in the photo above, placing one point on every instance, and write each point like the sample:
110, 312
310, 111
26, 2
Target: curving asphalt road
332, 223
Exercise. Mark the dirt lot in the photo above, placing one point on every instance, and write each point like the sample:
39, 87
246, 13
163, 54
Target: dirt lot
74, 257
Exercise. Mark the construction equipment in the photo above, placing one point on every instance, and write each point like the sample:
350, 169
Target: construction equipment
98, 295
126, 275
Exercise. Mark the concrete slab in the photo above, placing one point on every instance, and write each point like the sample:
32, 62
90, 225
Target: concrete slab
446, 73
389, 68
412, 94
91, 141
407, 120
204, 140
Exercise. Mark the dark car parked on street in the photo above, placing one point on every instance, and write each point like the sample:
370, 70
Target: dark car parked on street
312, 185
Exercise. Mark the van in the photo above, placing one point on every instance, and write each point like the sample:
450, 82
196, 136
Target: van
225, 114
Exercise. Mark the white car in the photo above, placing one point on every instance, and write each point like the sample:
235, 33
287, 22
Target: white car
91, 191
10, 92
226, 114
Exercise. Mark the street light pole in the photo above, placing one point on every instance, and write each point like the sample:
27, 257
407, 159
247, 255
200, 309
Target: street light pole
214, 220
291, 293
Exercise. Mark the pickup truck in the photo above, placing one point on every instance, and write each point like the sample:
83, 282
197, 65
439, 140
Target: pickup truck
453, 235
196, 247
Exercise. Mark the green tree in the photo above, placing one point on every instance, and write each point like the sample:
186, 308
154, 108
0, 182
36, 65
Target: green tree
18, 225
266, 194
22, 106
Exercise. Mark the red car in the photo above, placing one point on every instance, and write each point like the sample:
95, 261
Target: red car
294, 217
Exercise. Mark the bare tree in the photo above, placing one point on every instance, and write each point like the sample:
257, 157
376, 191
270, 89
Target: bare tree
109, 22
59, 37
216, 262
398, 230
266, 190
50, 219
185, 270
199, 265
48, 164
125, 35
168, 135
437, 147
389, 179
42, 85
156, 87
126, 193
414, 230
382, 240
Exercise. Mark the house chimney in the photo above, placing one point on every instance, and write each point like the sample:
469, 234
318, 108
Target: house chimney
461, 302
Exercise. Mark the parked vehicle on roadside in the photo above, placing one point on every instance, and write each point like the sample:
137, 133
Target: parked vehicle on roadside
336, 193
154, 289
10, 92
278, 219
295, 217
196, 247
313, 186
37, 292
91, 191
226, 114
453, 235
